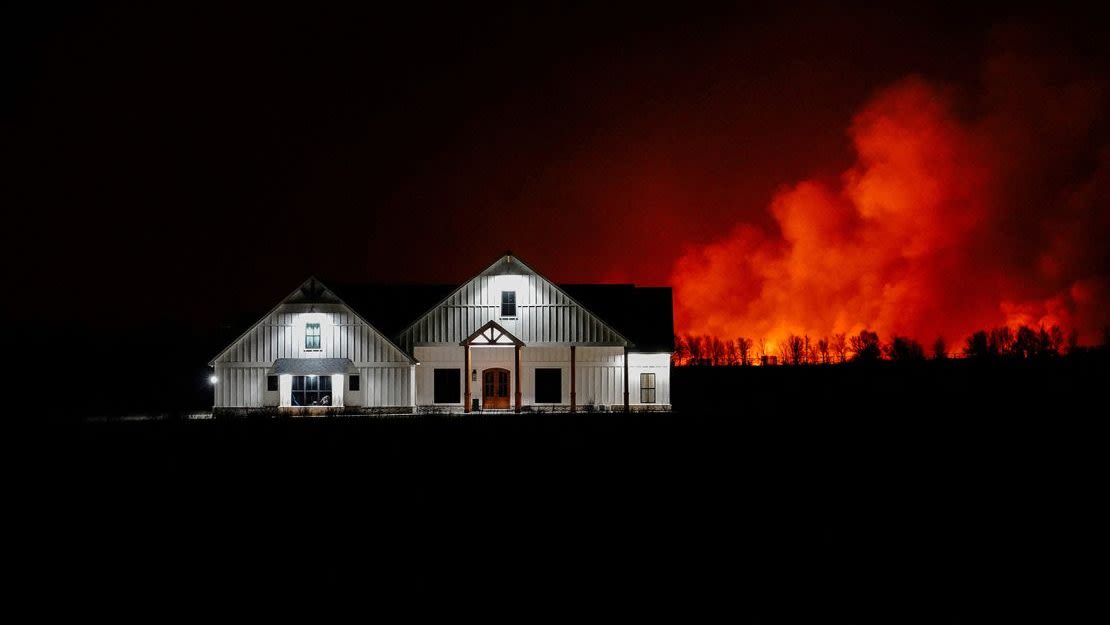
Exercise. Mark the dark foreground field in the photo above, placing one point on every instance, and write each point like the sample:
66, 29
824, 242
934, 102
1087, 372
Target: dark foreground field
954, 495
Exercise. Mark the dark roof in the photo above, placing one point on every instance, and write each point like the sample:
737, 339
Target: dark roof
644, 315
391, 307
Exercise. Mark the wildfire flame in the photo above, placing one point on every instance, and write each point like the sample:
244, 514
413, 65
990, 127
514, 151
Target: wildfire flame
948, 222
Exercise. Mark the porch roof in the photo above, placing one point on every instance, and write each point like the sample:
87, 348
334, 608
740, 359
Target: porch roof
313, 366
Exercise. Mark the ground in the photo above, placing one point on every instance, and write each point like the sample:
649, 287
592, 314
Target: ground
945, 496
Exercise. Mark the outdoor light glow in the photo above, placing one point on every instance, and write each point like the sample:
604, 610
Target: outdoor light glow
212, 379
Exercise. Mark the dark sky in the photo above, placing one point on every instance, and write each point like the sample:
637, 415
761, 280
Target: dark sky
197, 161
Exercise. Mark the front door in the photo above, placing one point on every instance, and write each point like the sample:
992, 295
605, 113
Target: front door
495, 388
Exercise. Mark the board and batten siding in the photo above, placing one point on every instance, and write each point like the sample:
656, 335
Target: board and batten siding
343, 335
241, 370
599, 377
544, 315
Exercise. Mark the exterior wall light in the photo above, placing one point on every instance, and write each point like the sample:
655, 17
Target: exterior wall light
212, 379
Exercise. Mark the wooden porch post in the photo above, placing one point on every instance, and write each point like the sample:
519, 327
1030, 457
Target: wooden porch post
573, 388
466, 377
626, 378
517, 375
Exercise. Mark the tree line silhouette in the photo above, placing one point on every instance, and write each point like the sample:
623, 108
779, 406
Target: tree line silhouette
1002, 343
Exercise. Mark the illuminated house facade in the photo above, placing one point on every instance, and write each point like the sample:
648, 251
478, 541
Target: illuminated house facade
507, 339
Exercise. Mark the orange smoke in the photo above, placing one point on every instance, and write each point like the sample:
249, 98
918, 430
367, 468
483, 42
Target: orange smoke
944, 225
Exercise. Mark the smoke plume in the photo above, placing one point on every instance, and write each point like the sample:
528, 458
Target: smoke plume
965, 209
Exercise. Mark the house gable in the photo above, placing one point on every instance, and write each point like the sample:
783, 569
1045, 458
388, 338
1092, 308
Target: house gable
540, 312
344, 333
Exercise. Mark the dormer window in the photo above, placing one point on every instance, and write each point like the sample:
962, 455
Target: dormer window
508, 303
312, 336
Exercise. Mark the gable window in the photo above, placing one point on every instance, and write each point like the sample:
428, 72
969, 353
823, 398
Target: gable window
445, 386
271, 383
549, 386
312, 336
311, 390
508, 303
647, 388
353, 383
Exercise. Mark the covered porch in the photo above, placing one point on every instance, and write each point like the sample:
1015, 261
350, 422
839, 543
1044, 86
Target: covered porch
311, 383
499, 382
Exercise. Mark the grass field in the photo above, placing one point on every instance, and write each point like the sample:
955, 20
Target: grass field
946, 495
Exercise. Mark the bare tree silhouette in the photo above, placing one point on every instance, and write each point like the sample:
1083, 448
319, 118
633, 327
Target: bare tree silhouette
978, 346
1006, 343
905, 350
1025, 343
866, 346
840, 347
694, 344
796, 349
681, 351
1001, 341
716, 350
732, 358
744, 347
823, 350
940, 349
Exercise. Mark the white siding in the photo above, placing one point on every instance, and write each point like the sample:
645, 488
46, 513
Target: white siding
242, 368
544, 314
660, 365
240, 387
600, 375
282, 335
384, 386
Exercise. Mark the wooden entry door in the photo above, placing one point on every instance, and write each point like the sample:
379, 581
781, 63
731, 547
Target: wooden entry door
495, 388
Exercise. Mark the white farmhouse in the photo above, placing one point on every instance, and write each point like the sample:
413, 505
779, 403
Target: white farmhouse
508, 339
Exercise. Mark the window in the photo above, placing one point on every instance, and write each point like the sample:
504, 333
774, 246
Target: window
549, 386
312, 336
353, 383
647, 388
445, 386
271, 383
311, 390
508, 303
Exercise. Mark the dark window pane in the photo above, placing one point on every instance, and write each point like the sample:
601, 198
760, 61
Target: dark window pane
311, 382
312, 336
298, 383
271, 383
445, 383
549, 386
325, 383
353, 383
508, 303
647, 388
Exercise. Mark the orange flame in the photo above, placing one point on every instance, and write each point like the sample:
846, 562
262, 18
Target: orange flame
942, 226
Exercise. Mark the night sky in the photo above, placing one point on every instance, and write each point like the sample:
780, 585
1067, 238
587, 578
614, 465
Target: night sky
198, 162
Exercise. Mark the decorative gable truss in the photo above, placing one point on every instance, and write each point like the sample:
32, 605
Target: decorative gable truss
491, 334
